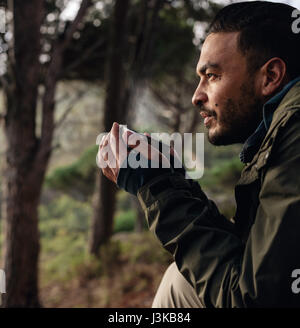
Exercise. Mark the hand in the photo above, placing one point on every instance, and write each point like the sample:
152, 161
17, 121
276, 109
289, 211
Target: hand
113, 151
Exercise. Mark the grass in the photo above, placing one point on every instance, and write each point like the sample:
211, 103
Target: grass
127, 273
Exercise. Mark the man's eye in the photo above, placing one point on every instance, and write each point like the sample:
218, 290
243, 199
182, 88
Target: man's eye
211, 75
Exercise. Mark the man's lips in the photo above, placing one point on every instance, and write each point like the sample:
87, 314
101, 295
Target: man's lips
207, 118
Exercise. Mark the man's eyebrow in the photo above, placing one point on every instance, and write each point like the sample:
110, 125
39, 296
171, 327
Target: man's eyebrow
203, 69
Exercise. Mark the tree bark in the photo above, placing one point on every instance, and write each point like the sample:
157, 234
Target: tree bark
21, 188
105, 194
27, 156
104, 208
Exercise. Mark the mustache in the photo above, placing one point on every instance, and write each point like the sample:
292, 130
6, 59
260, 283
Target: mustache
208, 111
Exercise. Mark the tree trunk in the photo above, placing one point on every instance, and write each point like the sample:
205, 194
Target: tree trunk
21, 244
21, 186
104, 208
27, 156
102, 222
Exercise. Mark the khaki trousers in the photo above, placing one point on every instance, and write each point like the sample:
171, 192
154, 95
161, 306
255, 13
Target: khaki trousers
175, 292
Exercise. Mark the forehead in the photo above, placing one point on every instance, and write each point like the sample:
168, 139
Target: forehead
221, 49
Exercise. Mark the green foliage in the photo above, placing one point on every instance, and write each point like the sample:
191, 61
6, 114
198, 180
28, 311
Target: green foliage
67, 215
219, 181
78, 179
143, 247
174, 47
64, 215
224, 174
228, 172
125, 221
64, 226
123, 201
61, 255
64, 223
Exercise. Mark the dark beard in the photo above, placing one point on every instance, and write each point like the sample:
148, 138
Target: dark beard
238, 120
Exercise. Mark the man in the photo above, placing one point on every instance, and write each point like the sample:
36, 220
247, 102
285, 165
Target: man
249, 92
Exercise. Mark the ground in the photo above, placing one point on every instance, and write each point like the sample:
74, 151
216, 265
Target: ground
128, 280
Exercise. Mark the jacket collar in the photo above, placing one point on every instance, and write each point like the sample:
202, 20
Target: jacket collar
252, 144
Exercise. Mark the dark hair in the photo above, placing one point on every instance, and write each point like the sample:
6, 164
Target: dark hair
265, 32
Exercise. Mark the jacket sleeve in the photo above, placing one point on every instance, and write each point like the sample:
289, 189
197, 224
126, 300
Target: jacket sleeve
224, 271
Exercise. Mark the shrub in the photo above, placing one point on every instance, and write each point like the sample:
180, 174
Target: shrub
224, 174
125, 221
78, 179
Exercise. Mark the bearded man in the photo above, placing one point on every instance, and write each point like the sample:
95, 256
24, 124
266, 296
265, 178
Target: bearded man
248, 92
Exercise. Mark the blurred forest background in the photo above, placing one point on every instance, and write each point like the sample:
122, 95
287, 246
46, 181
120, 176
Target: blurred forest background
68, 70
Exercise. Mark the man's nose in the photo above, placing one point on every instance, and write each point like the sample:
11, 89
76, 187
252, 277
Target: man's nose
199, 97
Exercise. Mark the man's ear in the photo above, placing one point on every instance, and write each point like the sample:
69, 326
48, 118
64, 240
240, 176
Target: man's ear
273, 76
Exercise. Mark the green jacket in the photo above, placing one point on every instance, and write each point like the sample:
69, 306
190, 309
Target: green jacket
247, 262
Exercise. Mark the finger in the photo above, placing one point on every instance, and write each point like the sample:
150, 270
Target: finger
100, 161
114, 138
119, 148
105, 151
104, 144
101, 141
105, 156
109, 174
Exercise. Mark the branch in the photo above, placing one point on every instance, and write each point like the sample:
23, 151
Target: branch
82, 58
149, 36
164, 120
62, 98
54, 69
174, 106
83, 123
69, 109
71, 29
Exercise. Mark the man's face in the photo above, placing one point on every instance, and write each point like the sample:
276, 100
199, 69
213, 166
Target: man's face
226, 94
